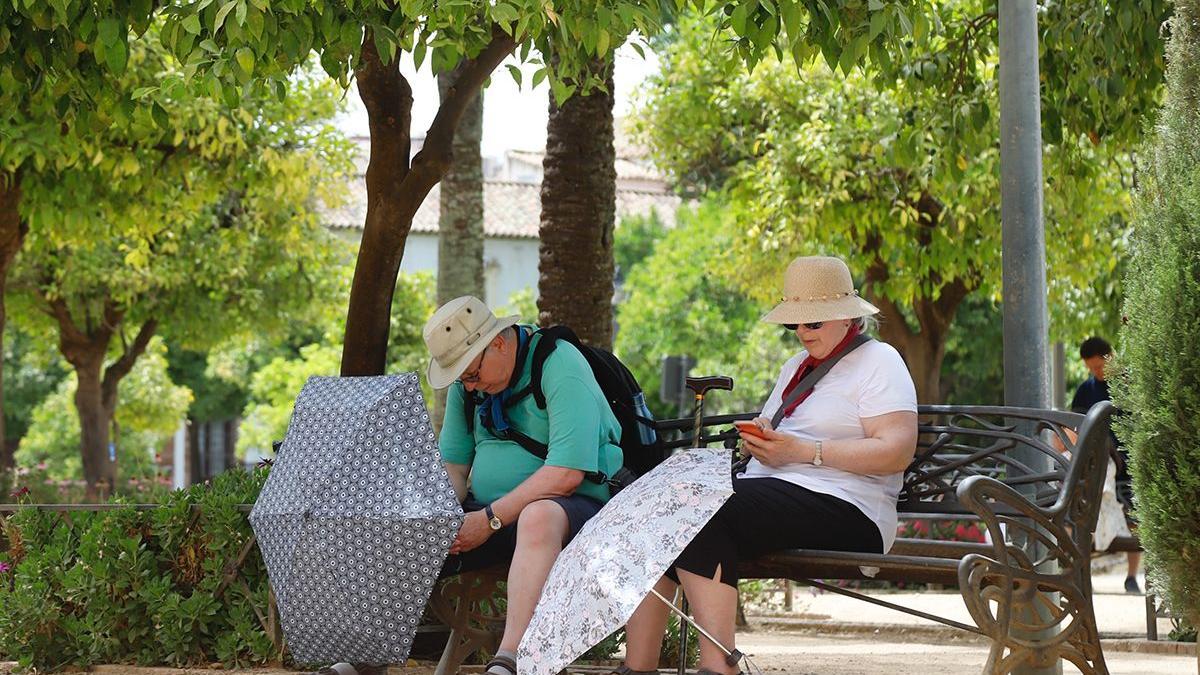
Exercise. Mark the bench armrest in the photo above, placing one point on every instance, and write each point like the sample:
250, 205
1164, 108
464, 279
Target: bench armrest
1044, 526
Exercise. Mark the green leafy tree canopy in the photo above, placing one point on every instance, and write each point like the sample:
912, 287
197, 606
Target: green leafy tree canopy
822, 162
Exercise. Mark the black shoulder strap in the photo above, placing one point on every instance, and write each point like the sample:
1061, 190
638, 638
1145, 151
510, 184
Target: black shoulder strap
547, 342
541, 451
546, 345
810, 380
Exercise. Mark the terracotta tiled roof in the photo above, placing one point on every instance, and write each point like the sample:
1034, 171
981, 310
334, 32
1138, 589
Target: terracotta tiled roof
509, 209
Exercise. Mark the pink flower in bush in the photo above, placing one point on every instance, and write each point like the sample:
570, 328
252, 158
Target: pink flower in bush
20, 492
4, 567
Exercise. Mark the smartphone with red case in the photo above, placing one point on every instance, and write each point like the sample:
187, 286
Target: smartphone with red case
749, 428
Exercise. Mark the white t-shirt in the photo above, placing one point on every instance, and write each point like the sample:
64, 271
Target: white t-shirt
869, 381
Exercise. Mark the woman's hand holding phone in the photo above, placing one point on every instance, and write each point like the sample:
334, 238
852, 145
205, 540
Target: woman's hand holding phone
771, 448
749, 428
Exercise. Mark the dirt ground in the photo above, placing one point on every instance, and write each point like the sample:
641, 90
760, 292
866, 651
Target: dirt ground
807, 654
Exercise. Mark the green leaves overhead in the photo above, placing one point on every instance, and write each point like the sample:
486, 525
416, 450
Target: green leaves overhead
895, 176
1102, 59
247, 41
1095, 53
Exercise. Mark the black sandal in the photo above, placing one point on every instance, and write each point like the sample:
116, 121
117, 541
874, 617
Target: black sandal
344, 668
502, 661
626, 670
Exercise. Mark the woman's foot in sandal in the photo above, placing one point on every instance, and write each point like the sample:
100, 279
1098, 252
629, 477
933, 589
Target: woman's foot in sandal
501, 664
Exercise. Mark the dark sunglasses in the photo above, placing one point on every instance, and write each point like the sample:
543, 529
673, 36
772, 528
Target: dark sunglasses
816, 325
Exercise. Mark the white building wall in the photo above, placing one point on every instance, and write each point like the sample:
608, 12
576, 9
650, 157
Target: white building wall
509, 264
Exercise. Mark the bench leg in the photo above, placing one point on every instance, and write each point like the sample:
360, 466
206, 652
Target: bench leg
1028, 626
465, 604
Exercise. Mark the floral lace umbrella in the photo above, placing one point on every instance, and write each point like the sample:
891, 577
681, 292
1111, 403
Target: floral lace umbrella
612, 564
356, 519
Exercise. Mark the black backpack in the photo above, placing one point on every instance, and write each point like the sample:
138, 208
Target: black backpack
640, 444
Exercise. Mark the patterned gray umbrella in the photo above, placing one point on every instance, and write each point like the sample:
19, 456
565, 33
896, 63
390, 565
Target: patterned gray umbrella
356, 519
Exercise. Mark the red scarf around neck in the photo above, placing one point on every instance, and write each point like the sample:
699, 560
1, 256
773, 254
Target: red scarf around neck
808, 364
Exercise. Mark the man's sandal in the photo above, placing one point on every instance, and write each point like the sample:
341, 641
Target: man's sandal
349, 669
502, 661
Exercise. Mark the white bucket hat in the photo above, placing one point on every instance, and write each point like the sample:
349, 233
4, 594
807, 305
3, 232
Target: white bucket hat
456, 333
818, 288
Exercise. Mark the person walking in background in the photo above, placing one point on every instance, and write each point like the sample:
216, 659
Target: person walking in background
1096, 352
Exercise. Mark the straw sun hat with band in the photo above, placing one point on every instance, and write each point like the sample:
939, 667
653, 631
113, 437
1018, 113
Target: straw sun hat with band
818, 288
457, 333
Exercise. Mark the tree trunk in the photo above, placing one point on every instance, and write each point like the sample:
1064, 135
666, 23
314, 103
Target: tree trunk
460, 219
85, 348
95, 420
12, 233
925, 348
396, 188
575, 285
387, 97
460, 216
229, 429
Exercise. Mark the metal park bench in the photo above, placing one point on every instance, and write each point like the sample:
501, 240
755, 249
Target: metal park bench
1035, 607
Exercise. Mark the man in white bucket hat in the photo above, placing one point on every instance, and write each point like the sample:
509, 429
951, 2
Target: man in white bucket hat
523, 508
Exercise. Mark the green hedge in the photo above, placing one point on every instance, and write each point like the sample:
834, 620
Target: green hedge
127, 586
1159, 380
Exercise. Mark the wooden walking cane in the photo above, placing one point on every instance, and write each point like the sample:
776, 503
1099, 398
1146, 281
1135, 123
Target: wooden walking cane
699, 386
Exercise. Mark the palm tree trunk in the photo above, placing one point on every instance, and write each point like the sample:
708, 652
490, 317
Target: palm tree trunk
460, 216
460, 219
575, 285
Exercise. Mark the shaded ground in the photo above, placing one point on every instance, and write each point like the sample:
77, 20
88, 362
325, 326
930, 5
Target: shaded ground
832, 635
776, 652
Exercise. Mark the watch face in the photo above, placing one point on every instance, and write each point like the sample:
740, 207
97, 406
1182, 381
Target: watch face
495, 523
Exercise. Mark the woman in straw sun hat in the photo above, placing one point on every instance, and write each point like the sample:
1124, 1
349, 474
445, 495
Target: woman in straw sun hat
826, 468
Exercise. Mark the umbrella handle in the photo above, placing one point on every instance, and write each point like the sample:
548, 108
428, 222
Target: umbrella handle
683, 615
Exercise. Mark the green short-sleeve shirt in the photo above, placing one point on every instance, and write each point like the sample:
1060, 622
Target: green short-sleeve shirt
577, 425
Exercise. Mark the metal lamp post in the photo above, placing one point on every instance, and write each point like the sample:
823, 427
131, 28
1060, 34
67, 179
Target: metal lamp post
1026, 352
